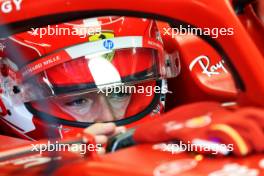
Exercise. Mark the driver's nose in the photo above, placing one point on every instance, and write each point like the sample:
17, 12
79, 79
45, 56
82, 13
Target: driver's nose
105, 111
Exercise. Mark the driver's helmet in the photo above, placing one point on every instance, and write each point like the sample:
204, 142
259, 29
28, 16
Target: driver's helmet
78, 73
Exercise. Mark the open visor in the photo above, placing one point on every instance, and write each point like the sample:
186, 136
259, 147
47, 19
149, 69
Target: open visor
95, 66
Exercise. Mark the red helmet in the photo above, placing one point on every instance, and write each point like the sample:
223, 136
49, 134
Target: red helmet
92, 70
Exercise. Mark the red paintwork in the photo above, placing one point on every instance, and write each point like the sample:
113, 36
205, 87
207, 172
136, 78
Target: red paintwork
244, 53
201, 13
195, 85
130, 161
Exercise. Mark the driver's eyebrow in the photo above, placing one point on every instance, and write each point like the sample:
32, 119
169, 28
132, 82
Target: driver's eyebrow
90, 95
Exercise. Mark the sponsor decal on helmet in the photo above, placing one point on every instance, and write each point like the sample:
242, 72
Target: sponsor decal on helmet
44, 64
107, 44
101, 36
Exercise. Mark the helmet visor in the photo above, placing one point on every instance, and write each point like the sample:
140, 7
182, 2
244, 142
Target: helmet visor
94, 72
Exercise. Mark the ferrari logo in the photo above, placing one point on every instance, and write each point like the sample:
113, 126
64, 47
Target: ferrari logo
101, 36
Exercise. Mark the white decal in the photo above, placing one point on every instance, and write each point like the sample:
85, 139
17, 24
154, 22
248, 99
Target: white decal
261, 164
235, 170
172, 126
9, 6
39, 44
196, 122
174, 168
30, 161
208, 69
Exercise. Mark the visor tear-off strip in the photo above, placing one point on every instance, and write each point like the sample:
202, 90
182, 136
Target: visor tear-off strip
88, 49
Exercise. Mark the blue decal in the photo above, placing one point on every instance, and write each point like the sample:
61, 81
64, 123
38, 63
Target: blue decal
109, 44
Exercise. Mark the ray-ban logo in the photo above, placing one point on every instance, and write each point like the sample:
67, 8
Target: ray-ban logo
207, 68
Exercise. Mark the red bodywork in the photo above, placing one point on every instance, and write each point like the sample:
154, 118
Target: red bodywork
140, 160
243, 49
201, 14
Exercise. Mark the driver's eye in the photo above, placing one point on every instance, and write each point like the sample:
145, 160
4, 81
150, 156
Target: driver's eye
118, 95
77, 102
